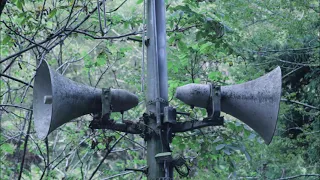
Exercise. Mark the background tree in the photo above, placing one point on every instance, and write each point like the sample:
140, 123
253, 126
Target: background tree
99, 43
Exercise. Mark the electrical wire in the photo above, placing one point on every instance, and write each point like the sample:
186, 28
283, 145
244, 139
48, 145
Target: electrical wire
143, 44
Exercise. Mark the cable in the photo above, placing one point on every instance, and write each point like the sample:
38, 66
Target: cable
181, 173
179, 163
143, 44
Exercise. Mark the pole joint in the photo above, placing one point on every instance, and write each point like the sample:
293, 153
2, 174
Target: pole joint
161, 100
148, 131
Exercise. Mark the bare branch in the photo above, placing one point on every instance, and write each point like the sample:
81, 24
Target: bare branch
106, 155
286, 75
25, 146
82, 174
300, 175
32, 42
102, 74
300, 64
15, 79
117, 7
58, 33
285, 50
15, 106
105, 37
9, 65
70, 14
300, 103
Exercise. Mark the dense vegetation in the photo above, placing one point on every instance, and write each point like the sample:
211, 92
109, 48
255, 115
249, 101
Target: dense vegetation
218, 41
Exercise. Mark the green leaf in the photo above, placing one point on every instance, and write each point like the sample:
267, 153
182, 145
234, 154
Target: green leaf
198, 35
217, 140
6, 39
8, 148
139, 1
126, 25
23, 14
170, 65
182, 45
227, 151
220, 146
20, 4
101, 61
204, 47
215, 75
52, 13
252, 136
24, 20
248, 157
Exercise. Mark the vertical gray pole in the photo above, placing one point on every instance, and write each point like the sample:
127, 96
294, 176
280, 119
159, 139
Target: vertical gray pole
163, 68
157, 84
162, 53
153, 141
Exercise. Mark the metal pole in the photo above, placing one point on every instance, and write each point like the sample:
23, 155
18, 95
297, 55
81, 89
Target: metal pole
157, 86
163, 71
162, 53
153, 141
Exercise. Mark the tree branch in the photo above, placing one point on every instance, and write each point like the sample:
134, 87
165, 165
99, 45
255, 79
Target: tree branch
9, 65
104, 37
71, 11
32, 42
117, 7
285, 50
50, 37
183, 28
106, 155
25, 146
134, 142
300, 103
300, 64
15, 106
301, 175
15, 79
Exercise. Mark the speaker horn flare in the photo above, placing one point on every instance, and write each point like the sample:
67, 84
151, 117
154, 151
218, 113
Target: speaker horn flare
256, 102
57, 100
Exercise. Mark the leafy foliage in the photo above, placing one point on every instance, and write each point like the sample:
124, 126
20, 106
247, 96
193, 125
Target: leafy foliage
222, 42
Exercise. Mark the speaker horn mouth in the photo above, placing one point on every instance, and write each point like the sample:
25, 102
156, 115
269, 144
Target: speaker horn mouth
58, 100
256, 102
42, 105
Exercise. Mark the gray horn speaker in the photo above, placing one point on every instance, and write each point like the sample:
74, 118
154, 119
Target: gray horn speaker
256, 102
57, 100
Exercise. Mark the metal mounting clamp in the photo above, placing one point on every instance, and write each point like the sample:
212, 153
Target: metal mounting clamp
163, 101
106, 101
214, 107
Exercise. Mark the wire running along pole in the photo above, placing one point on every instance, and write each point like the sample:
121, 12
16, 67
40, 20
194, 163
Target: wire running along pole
143, 44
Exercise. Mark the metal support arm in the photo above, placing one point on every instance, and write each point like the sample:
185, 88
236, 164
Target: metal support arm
127, 126
196, 124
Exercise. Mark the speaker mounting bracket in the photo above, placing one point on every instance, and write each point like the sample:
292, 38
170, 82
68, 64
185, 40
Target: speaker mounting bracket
106, 103
214, 104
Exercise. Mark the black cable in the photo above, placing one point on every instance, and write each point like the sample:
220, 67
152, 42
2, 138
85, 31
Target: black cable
179, 163
181, 173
